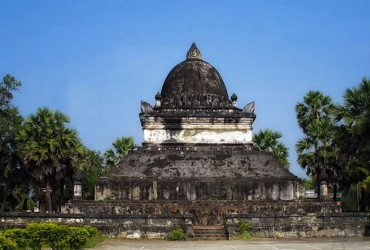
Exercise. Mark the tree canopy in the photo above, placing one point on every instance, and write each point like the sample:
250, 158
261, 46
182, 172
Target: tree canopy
268, 141
121, 146
48, 147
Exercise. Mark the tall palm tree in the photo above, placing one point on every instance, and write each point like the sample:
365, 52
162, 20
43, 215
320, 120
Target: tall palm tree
48, 146
268, 141
317, 153
121, 146
314, 107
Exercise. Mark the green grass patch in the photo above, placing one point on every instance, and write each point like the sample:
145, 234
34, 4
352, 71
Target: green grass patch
94, 241
243, 236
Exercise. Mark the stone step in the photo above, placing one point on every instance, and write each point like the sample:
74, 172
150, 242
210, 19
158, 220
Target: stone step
205, 232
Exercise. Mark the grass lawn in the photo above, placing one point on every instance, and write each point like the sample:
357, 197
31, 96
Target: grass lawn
94, 241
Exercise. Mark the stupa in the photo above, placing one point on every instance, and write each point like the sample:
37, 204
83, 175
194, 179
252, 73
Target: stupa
197, 169
197, 145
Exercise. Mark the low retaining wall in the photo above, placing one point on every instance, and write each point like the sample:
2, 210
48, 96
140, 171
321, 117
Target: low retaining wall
121, 226
158, 226
210, 212
302, 226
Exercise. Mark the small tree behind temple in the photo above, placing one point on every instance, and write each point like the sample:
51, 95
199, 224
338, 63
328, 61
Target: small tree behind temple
121, 146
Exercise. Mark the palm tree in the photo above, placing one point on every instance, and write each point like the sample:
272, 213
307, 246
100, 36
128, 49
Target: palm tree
314, 107
267, 141
121, 146
317, 153
48, 146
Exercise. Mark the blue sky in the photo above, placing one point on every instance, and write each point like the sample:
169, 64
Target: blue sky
96, 60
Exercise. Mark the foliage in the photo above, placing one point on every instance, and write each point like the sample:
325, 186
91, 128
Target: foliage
354, 137
121, 146
244, 225
48, 147
92, 231
58, 237
244, 228
13, 177
176, 234
37, 234
7, 243
92, 171
309, 183
77, 237
18, 236
94, 241
7, 87
317, 151
268, 141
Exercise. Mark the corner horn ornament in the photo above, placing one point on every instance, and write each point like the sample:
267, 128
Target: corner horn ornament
249, 108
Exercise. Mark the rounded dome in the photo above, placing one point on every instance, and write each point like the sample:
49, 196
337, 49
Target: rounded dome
194, 79
194, 76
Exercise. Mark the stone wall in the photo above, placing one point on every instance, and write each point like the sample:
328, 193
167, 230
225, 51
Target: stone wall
121, 226
309, 225
191, 189
211, 212
158, 226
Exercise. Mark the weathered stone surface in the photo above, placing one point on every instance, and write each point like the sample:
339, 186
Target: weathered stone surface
158, 226
198, 172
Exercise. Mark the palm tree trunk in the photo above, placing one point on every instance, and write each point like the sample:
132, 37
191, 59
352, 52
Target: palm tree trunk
53, 195
335, 192
4, 199
363, 200
47, 194
61, 200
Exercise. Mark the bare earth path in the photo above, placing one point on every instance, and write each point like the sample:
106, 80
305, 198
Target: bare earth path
259, 244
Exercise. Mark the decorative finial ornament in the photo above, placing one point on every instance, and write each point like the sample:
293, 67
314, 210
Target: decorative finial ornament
193, 52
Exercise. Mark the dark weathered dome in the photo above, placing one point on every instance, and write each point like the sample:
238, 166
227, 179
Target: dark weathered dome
194, 77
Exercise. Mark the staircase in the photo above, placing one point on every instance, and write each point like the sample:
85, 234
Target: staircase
209, 232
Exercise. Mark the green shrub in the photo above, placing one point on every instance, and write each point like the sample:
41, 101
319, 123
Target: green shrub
244, 225
244, 228
7, 243
37, 234
77, 237
57, 237
18, 236
93, 231
176, 234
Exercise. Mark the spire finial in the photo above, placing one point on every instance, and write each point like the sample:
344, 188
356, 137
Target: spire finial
193, 52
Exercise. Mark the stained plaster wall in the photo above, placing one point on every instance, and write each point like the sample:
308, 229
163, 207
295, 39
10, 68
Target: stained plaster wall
219, 130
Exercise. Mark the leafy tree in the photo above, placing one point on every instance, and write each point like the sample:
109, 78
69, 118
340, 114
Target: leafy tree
12, 179
92, 171
317, 151
7, 87
354, 136
268, 141
48, 146
121, 146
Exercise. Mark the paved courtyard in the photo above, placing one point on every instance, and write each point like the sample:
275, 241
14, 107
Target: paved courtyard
268, 244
